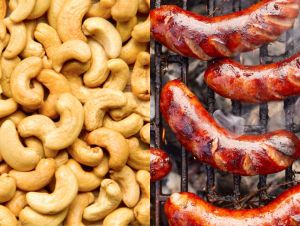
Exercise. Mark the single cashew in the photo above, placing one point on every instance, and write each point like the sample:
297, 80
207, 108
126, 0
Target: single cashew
131, 50
138, 159
119, 75
75, 68
125, 28
128, 184
66, 188
142, 212
95, 108
4, 168
7, 188
3, 8
36, 179
124, 10
120, 217
69, 19
53, 12
141, 32
114, 143
7, 106
87, 181
61, 159
145, 133
98, 72
57, 84
40, 8
22, 93
22, 10
77, 207
7, 218
17, 203
143, 179
102, 169
31, 142
109, 198
84, 154
17, 41
143, 7
12, 150
101, 9
29, 217
105, 33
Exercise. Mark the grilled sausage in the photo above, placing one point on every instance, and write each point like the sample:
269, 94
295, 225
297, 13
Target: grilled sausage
193, 35
255, 84
199, 133
160, 164
187, 209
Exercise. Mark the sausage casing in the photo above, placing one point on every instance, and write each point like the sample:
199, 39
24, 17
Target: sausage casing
160, 164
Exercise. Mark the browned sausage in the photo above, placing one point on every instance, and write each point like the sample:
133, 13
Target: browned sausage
160, 164
193, 35
199, 133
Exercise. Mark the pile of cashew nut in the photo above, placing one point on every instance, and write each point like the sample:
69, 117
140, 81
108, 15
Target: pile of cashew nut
74, 112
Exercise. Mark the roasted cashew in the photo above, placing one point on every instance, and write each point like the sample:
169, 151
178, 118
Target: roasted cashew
7, 218
102, 169
61, 159
84, 154
142, 212
128, 184
69, 19
143, 109
125, 28
40, 8
141, 31
12, 150
21, 10
7, 106
109, 198
74, 217
114, 143
96, 107
101, 9
17, 203
53, 12
98, 72
3, 8
121, 113
31, 142
138, 159
143, 7
119, 75
120, 217
105, 33
124, 10
16, 117
145, 133
87, 181
131, 50
75, 68
143, 179
7, 188
29, 217
36, 179
65, 191
128, 126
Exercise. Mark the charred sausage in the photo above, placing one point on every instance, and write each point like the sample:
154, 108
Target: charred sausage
160, 164
193, 35
199, 133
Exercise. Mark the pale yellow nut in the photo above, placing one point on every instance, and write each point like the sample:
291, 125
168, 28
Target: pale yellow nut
20, 86
47, 64
143, 7
110, 197
105, 33
15, 117
142, 212
138, 159
7, 218
101, 9
143, 179
124, 10
17, 203
7, 188
66, 188
141, 31
4, 43
3, 31
3, 8
131, 50
61, 159
75, 68
120, 217
145, 133
39, 9
22, 10
4, 168
53, 12
102, 169
32, 142
143, 109
125, 28
7, 106
114, 143
69, 19
128, 184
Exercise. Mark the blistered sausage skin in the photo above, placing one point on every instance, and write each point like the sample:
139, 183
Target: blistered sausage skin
255, 84
187, 209
160, 164
199, 133
201, 37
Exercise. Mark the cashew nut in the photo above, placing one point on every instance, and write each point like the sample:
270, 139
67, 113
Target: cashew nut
69, 19
105, 33
114, 143
143, 109
17, 203
40, 8
61, 159
143, 179
7, 218
31, 142
65, 191
7, 188
22, 10
7, 106
124, 10
120, 217
138, 159
101, 9
53, 12
102, 169
3, 8
16, 117
36, 179
4, 168
128, 184
143, 7
109, 198
120, 113
145, 133
131, 50
125, 28
141, 31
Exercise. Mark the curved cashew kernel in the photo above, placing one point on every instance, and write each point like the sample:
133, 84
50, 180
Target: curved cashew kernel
102, 169
57, 84
22, 10
95, 108
36, 179
40, 8
17, 203
128, 184
140, 77
131, 50
17, 41
109, 199
26, 70
35, 144
7, 188
6, 217
62, 135
7, 67
98, 72
69, 19
3, 8
143, 7
75, 68
101, 9
87, 181
138, 159
141, 31
77, 207
84, 154
114, 143
142, 212
29, 217
66, 188
61, 159
124, 10
143, 179
125, 28
53, 12
145, 133
4, 168
13, 151
128, 126
7, 106
119, 75
143, 109
105, 33
120, 217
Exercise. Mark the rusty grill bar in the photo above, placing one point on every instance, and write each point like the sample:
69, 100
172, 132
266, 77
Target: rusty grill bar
159, 63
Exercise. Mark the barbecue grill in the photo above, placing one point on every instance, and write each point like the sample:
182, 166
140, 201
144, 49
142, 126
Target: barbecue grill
160, 60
